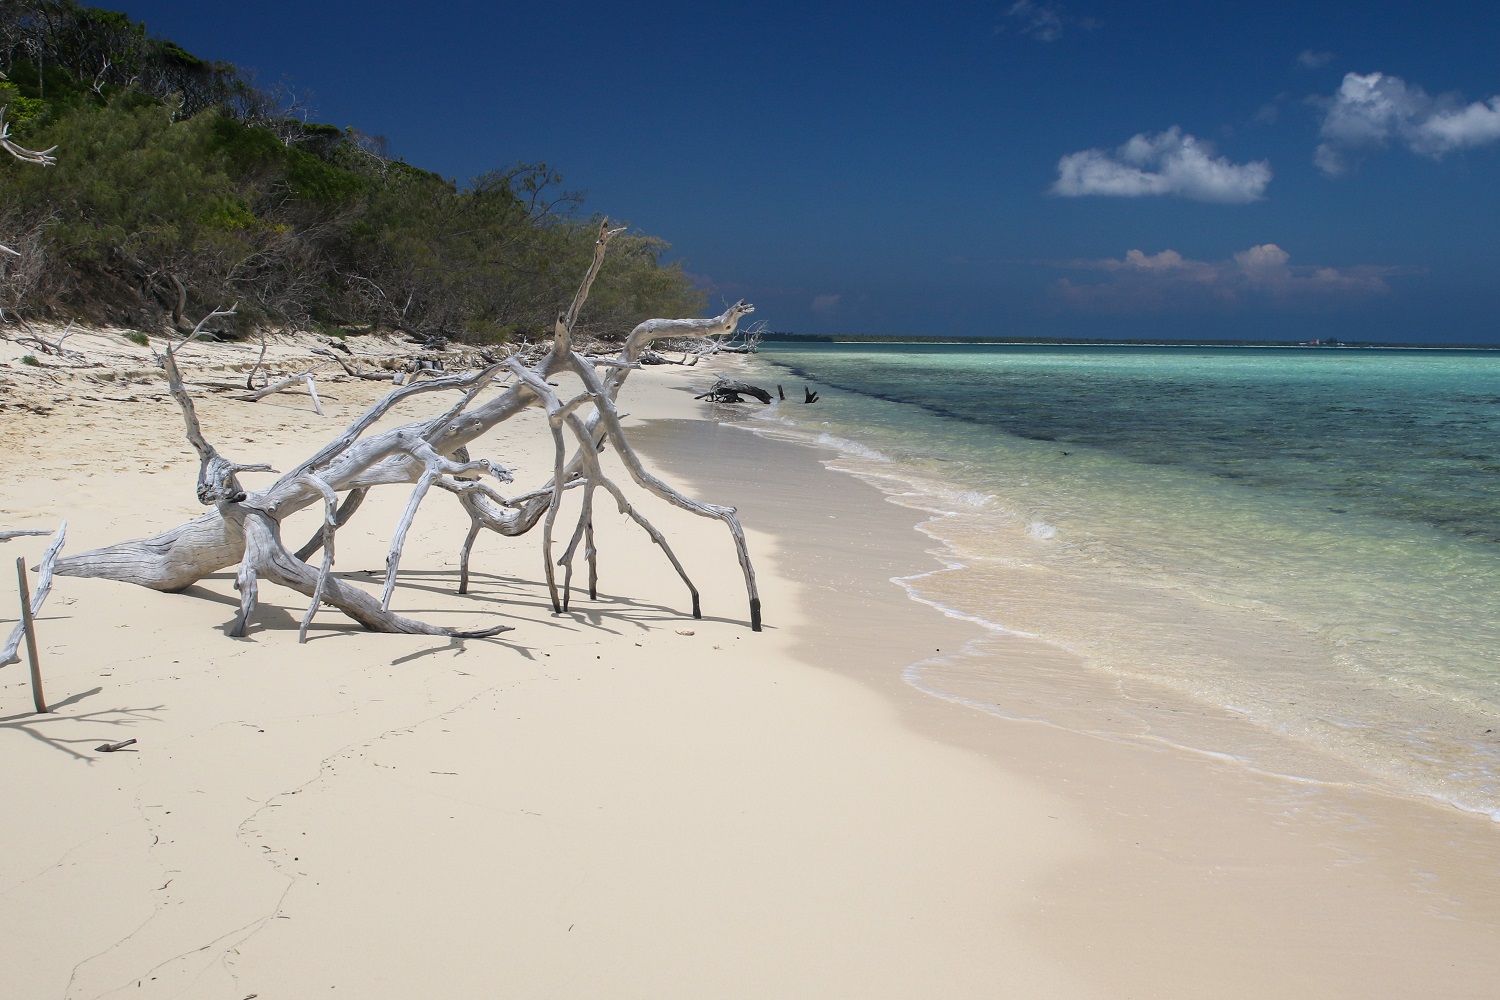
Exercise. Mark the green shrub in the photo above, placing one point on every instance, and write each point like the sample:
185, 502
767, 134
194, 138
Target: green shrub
176, 170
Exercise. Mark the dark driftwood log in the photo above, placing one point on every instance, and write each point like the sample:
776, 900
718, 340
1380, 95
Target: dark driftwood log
357, 371
730, 391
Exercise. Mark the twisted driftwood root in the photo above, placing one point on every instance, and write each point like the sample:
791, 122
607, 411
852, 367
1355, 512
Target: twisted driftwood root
244, 527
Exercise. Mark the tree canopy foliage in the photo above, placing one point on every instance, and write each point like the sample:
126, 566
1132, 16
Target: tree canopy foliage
180, 186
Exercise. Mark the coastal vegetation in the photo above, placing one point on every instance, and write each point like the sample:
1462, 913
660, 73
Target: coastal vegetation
244, 526
180, 186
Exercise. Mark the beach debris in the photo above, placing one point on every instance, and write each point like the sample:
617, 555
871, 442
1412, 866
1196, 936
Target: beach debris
218, 477
112, 747
51, 347
689, 358
434, 342
41, 157
357, 371
808, 395
266, 388
244, 526
731, 391
31, 606
724, 343
304, 377
686, 631
28, 627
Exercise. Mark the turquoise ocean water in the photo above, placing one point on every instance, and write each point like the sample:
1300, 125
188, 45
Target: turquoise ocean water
1287, 556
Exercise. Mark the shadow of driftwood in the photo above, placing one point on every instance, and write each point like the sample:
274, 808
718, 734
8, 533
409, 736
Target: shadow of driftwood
455, 643
35, 726
510, 599
532, 594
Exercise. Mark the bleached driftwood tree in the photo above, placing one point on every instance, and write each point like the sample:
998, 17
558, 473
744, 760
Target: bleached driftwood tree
42, 157
244, 527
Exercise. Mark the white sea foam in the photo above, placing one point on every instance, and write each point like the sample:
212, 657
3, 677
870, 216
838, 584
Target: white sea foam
909, 584
851, 447
969, 498
1041, 529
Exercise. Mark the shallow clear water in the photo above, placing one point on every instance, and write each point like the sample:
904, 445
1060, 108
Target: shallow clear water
1304, 542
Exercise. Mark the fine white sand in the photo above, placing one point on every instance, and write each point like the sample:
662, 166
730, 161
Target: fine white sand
622, 801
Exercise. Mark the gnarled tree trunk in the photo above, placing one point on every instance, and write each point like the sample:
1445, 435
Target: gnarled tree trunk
244, 527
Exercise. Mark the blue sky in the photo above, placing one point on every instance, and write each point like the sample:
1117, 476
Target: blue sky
1089, 169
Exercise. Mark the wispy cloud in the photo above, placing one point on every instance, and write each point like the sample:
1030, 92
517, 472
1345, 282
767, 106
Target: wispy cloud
1046, 21
1167, 163
1168, 281
825, 304
1372, 110
1313, 59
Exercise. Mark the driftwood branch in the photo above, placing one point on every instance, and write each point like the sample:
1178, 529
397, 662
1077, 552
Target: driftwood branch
732, 391
255, 368
28, 628
356, 371
244, 526
218, 477
54, 347
42, 157
305, 377
8, 653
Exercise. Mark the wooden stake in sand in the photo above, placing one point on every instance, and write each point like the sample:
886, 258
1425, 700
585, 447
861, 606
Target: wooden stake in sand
30, 605
37, 697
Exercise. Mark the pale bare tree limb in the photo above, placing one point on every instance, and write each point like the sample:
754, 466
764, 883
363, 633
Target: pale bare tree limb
218, 477
244, 527
9, 653
42, 157
330, 525
304, 376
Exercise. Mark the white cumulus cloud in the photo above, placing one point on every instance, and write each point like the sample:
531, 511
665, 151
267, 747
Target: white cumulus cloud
1168, 281
1169, 162
1372, 110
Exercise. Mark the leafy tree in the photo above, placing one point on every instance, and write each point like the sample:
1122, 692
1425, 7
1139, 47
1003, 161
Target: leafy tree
182, 186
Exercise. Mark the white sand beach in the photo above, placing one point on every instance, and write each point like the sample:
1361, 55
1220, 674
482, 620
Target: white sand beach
622, 801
